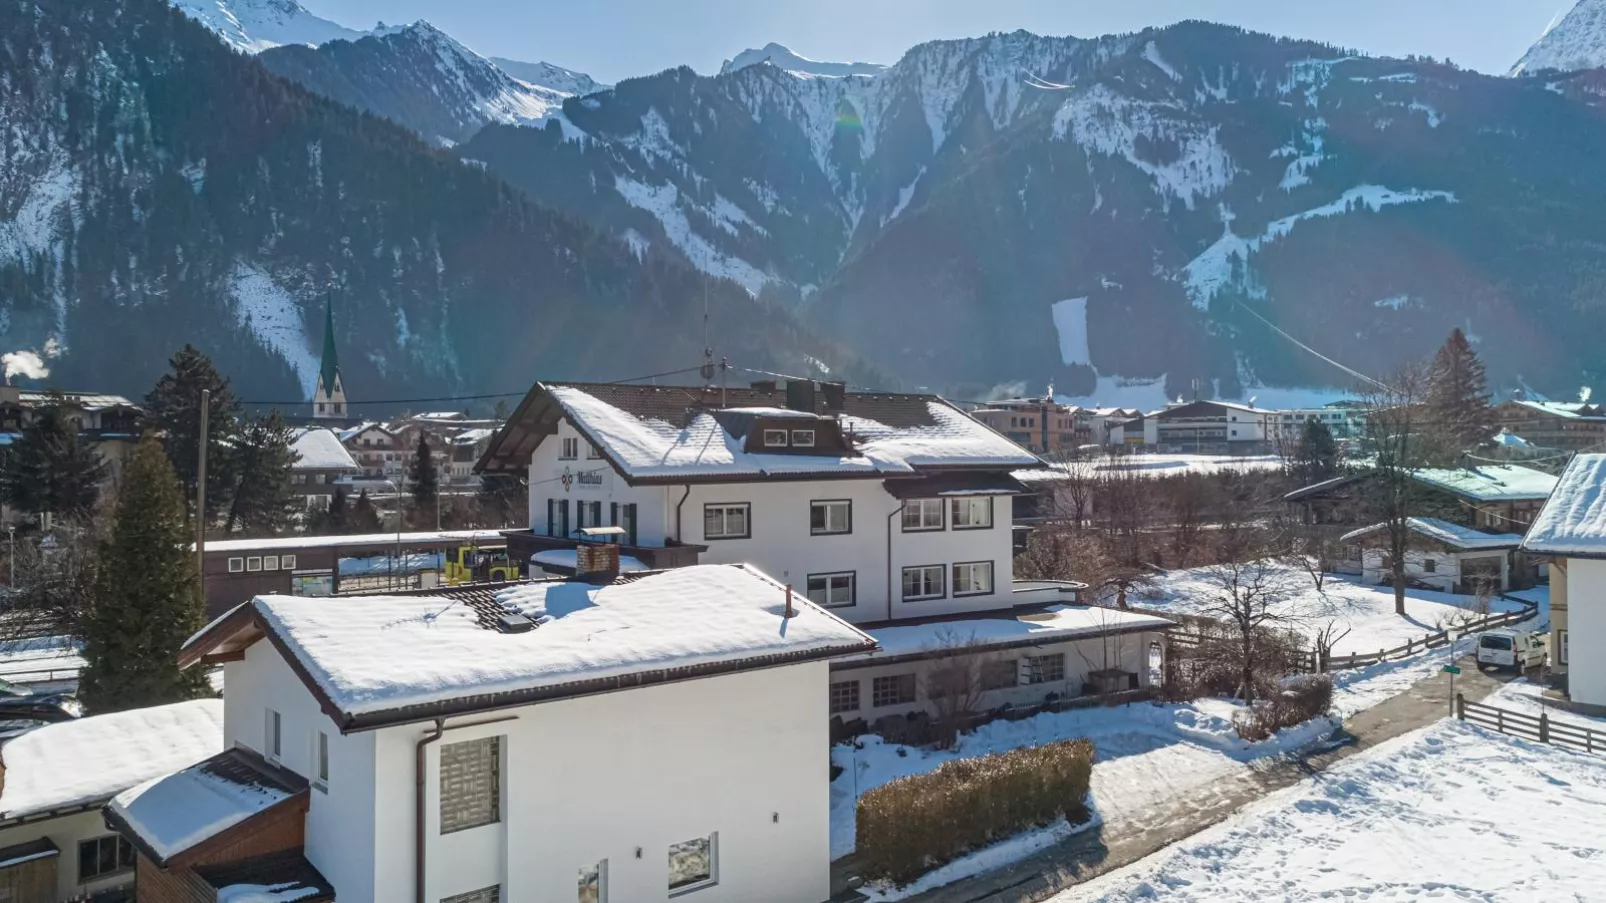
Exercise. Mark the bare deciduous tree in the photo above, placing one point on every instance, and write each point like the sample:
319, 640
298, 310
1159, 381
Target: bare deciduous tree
1399, 443
1250, 591
954, 682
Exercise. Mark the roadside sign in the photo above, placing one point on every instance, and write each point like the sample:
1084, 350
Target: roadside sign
1452, 669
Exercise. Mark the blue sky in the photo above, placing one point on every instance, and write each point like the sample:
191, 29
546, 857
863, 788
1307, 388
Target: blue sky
614, 39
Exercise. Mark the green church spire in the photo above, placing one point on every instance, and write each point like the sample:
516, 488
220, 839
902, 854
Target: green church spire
330, 370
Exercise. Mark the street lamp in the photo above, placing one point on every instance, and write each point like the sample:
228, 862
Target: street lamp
11, 532
396, 560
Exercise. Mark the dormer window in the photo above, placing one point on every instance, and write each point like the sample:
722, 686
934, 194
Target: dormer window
777, 438
802, 438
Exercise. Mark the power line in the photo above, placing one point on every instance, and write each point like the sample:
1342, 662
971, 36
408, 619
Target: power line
1277, 329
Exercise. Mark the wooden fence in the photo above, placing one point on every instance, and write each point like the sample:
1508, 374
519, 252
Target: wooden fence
1539, 727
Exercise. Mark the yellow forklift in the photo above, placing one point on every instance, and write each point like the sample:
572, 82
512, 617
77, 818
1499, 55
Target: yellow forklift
479, 564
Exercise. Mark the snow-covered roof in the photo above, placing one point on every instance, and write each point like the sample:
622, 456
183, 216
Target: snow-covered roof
89, 401
1570, 410
1452, 535
320, 449
346, 435
87, 761
175, 812
1055, 623
1510, 439
272, 543
471, 436
565, 558
653, 448
1490, 482
1573, 521
374, 655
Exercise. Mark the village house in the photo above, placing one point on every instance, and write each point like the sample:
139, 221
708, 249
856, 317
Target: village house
1448, 557
54, 844
378, 453
110, 424
321, 462
1214, 427
625, 738
1040, 425
890, 510
1571, 533
1554, 424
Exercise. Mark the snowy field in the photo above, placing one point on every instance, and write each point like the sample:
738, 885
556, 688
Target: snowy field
50, 664
1366, 611
1450, 812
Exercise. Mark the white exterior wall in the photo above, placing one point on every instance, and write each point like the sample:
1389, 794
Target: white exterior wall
781, 544
1586, 630
66, 832
1447, 567
593, 779
1127, 652
340, 820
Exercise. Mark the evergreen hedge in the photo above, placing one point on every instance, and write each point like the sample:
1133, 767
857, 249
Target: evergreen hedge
912, 825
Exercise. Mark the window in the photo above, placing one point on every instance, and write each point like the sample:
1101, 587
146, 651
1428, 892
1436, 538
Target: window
471, 784
827, 518
1430, 565
1561, 641
844, 697
628, 521
592, 452
270, 562
320, 760
1000, 674
569, 449
922, 514
483, 895
594, 883
254, 563
692, 864
802, 438
1045, 669
287, 562
831, 590
973, 513
272, 736
726, 521
236, 565
973, 578
894, 689
103, 856
922, 582
775, 438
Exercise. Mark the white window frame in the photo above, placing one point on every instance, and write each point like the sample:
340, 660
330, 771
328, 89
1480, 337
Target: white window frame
1034, 674
287, 562
775, 439
853, 695
977, 512
253, 564
969, 569
1010, 664
568, 448
941, 582
601, 870
832, 589
272, 735
320, 761
593, 453
270, 562
922, 511
236, 565
908, 678
713, 865
1561, 643
827, 505
802, 438
726, 508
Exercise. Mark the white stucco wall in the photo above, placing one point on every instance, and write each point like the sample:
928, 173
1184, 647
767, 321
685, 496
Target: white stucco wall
1446, 572
1586, 630
596, 778
781, 544
66, 832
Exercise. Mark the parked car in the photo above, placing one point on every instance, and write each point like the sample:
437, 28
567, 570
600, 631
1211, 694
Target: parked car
1511, 649
49, 709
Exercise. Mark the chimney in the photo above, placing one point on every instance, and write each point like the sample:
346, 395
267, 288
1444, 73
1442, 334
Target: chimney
791, 610
835, 395
800, 395
763, 385
596, 563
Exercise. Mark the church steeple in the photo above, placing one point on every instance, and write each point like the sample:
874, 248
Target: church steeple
329, 398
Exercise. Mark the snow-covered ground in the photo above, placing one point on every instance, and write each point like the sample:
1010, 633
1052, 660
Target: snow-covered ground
1366, 611
1451, 812
1523, 696
40, 661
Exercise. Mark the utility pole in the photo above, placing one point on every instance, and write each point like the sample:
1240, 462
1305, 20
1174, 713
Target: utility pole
200, 496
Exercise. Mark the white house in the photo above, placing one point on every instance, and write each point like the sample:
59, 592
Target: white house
1571, 530
54, 845
1451, 557
321, 461
657, 737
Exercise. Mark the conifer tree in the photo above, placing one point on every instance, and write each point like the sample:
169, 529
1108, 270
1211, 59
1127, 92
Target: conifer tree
1315, 455
49, 468
261, 500
1458, 408
338, 518
146, 600
364, 516
173, 408
422, 474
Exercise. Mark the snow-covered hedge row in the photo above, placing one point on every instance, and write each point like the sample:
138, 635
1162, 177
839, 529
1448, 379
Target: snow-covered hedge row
909, 826
1298, 700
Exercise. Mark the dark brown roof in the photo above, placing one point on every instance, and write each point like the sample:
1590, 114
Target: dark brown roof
285, 871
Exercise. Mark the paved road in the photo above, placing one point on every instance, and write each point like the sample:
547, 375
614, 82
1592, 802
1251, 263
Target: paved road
1129, 839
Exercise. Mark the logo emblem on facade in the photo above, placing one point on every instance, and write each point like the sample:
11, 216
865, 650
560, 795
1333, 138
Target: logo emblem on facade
567, 478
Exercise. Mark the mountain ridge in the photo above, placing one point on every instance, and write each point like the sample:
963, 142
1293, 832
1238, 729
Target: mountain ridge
1576, 41
783, 57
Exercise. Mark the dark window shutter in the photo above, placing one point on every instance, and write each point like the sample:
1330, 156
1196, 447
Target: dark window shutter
551, 519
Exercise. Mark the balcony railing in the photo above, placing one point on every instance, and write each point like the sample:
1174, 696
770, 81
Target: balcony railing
522, 544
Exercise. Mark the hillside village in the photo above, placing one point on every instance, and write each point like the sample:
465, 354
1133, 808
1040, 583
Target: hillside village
765, 627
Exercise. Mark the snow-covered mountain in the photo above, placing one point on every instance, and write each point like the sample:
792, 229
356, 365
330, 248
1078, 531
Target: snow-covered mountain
252, 26
422, 78
1577, 41
546, 75
782, 57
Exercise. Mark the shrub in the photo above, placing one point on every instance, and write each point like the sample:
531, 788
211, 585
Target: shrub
912, 825
1298, 700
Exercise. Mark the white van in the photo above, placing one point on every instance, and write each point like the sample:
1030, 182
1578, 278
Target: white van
1511, 649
